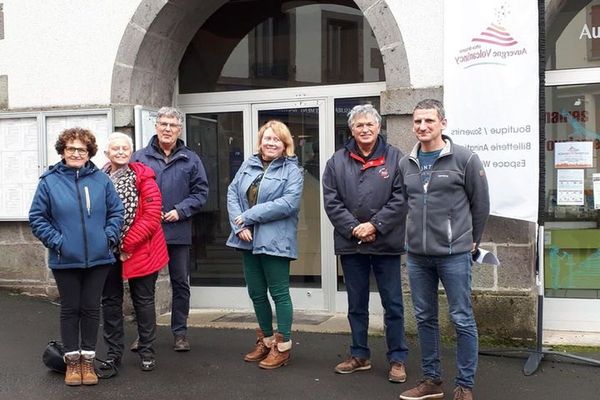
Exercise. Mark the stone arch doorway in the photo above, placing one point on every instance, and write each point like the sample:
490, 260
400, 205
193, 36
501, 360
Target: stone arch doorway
155, 40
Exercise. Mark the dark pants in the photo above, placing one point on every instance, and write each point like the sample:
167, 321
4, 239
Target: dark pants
357, 268
142, 296
80, 290
179, 272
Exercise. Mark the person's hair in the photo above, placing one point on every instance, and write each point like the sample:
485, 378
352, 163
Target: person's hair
169, 112
432, 104
282, 132
363, 109
84, 135
116, 136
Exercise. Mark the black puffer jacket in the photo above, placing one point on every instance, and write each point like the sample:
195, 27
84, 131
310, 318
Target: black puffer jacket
357, 190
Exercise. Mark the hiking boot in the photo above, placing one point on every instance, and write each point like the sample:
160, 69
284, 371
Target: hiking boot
73, 373
147, 364
261, 350
279, 354
397, 372
181, 343
463, 393
88, 374
426, 389
135, 345
353, 364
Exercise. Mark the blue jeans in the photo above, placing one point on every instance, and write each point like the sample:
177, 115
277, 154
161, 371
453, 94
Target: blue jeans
454, 271
179, 273
386, 269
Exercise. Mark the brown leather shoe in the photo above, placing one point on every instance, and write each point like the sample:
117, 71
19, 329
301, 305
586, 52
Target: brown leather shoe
279, 355
73, 374
353, 364
463, 393
426, 389
260, 351
397, 372
88, 375
181, 343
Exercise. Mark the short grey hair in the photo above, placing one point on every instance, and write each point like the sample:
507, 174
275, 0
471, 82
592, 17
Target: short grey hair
363, 109
119, 135
169, 112
432, 104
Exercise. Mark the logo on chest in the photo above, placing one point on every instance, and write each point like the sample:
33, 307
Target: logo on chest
383, 172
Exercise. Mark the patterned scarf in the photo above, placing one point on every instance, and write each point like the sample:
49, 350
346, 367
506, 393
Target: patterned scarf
124, 181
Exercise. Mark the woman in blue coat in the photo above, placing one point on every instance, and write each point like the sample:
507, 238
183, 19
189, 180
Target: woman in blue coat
77, 214
263, 202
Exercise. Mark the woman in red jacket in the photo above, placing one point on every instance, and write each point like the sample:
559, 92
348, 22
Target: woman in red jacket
141, 252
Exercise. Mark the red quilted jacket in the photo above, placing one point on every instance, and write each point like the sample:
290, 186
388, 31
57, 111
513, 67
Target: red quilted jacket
145, 240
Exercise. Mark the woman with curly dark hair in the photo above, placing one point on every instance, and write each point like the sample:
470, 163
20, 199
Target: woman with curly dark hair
77, 214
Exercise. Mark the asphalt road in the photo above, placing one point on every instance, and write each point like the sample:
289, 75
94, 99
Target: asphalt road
214, 369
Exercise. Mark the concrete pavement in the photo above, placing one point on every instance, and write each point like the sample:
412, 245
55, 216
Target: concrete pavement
214, 368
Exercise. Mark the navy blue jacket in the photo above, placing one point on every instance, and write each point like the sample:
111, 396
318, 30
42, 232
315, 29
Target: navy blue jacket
183, 185
274, 218
77, 214
357, 190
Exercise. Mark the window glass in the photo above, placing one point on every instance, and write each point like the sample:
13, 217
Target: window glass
573, 41
255, 44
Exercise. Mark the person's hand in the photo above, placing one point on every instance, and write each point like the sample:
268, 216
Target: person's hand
368, 239
245, 234
474, 248
364, 230
124, 256
239, 221
171, 216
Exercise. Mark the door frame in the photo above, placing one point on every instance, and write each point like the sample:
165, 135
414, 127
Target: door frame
570, 314
327, 298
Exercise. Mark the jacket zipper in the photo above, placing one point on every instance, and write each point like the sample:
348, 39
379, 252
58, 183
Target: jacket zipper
81, 216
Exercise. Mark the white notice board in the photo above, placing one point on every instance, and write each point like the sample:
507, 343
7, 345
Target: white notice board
20, 165
145, 118
27, 143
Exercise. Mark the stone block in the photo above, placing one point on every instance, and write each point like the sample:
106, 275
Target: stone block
402, 100
517, 313
399, 132
397, 71
3, 91
517, 267
382, 22
506, 230
483, 277
130, 45
10, 232
123, 116
121, 85
23, 262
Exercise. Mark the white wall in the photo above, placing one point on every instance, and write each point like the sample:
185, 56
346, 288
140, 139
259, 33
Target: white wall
422, 24
61, 52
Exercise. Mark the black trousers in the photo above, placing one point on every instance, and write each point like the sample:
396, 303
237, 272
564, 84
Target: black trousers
142, 295
80, 291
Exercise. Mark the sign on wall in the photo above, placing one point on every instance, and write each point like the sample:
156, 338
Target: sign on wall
27, 143
491, 96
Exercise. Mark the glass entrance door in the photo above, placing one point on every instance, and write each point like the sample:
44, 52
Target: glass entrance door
305, 121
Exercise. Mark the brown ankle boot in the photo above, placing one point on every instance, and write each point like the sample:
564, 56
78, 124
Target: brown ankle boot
279, 354
260, 351
73, 374
88, 375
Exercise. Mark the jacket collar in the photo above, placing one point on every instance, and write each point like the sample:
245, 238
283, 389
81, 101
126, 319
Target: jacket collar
447, 149
61, 168
375, 160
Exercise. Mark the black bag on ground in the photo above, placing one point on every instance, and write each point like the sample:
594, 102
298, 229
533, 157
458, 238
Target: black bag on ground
53, 358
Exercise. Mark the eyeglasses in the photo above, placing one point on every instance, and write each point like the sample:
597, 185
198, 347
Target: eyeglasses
71, 150
165, 125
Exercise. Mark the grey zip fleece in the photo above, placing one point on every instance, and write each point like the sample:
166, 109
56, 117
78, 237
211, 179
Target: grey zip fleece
451, 215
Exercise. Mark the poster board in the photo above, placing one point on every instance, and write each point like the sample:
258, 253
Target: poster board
27, 150
144, 118
20, 165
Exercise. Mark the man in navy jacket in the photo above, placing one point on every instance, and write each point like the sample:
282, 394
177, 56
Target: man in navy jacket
184, 187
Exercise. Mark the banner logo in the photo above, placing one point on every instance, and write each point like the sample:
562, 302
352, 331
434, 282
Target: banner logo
494, 45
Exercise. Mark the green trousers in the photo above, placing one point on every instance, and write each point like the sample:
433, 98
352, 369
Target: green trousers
269, 273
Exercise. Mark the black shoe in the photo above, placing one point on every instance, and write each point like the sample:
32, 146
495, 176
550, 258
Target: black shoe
134, 346
181, 343
147, 364
110, 364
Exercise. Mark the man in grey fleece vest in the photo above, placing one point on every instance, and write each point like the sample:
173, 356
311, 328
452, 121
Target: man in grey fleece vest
446, 189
